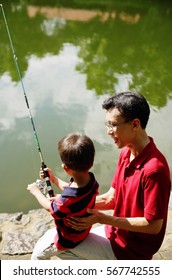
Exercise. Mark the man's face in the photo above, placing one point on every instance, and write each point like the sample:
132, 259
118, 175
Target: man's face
119, 129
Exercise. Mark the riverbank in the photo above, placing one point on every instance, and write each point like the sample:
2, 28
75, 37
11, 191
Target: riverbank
19, 233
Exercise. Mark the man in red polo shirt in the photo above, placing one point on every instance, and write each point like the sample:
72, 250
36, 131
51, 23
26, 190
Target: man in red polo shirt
139, 193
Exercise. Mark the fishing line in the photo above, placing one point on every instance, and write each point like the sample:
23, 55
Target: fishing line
43, 165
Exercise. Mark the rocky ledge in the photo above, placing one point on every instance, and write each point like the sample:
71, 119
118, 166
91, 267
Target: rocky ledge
19, 233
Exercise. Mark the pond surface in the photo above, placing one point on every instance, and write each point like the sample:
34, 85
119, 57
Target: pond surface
71, 58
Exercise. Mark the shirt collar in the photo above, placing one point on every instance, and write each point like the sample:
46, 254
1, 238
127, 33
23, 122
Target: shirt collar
74, 192
145, 153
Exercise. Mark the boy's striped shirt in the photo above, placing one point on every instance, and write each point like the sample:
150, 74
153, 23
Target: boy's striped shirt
73, 202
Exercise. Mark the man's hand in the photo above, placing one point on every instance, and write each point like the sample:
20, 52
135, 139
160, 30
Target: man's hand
84, 223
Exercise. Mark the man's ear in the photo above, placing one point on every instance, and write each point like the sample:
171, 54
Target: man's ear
136, 123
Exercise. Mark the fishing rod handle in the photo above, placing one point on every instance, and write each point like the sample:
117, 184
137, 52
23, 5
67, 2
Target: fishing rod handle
47, 179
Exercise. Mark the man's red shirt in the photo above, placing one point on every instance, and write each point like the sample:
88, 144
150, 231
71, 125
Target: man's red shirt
142, 189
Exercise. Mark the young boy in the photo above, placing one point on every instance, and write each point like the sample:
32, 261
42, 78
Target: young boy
77, 154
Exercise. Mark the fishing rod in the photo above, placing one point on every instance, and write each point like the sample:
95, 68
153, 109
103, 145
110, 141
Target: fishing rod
43, 165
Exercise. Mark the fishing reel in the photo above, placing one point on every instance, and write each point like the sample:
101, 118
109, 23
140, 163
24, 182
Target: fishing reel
42, 186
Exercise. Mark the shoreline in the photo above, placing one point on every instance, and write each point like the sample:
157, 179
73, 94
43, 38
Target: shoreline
27, 228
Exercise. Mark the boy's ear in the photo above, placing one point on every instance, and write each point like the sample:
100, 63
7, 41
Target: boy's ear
66, 169
64, 166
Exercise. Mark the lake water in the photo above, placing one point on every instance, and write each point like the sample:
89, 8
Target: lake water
71, 58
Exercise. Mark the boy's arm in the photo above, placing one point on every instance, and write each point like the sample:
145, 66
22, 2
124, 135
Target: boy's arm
60, 183
55, 180
43, 201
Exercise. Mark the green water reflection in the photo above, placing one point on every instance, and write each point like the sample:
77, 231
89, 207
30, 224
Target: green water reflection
133, 41
72, 54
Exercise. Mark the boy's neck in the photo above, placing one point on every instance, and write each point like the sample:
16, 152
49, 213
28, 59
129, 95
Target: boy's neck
81, 179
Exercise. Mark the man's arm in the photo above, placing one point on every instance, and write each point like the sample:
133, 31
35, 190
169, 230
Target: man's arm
106, 201
136, 224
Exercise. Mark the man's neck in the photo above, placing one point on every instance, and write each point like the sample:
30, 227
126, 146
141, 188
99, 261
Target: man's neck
140, 144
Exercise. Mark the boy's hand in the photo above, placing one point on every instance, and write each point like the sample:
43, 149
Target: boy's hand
33, 188
50, 173
43, 201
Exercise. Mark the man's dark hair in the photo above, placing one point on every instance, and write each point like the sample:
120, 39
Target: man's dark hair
131, 105
77, 151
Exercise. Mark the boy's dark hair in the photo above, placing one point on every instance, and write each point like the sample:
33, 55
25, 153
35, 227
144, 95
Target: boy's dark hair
131, 105
77, 151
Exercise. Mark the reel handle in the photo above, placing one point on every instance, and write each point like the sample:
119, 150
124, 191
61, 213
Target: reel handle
47, 179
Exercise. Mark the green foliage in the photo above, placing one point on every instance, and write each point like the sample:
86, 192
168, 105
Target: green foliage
133, 41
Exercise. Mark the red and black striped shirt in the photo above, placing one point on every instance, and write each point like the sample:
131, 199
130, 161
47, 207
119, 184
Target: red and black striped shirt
72, 202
